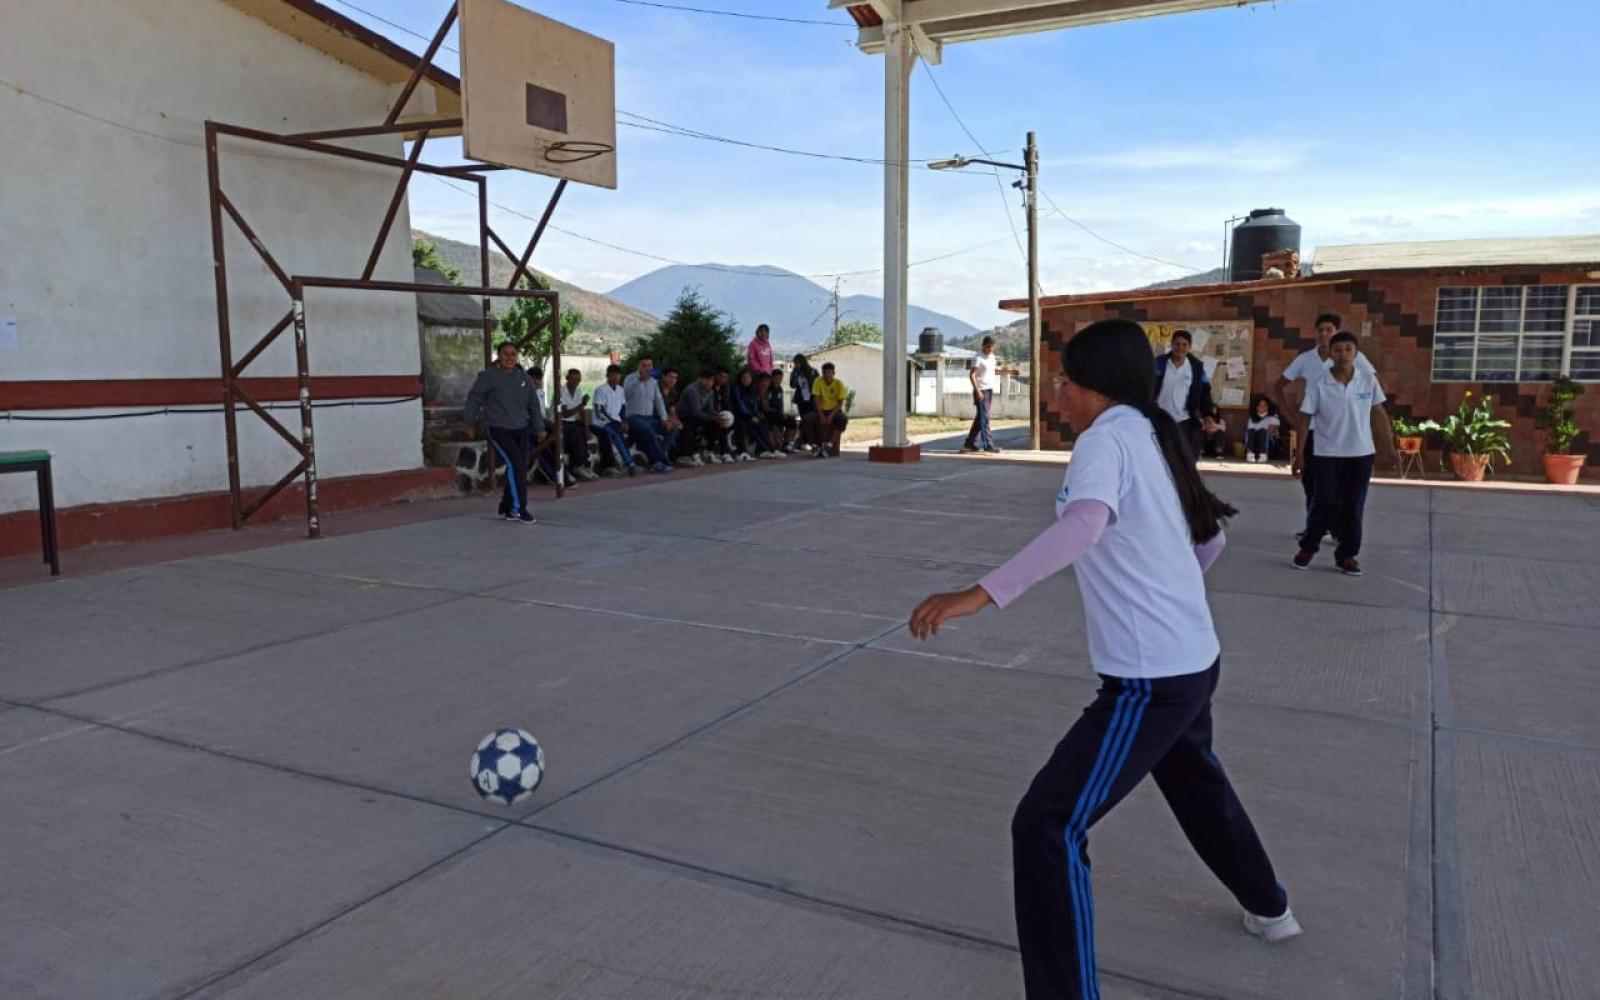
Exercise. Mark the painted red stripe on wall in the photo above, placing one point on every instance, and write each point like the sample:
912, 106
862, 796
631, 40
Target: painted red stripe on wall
72, 394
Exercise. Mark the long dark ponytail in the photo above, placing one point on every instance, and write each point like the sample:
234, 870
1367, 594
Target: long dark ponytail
1113, 357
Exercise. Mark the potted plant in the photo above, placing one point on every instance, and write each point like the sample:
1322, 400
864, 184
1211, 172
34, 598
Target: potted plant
1407, 436
1559, 421
1474, 436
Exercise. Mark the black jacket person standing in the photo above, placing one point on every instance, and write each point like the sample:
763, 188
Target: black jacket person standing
506, 399
1183, 390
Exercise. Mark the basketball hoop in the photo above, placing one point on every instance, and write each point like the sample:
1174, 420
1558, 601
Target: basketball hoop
536, 94
576, 151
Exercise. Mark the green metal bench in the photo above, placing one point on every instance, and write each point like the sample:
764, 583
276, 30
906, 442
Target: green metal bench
38, 463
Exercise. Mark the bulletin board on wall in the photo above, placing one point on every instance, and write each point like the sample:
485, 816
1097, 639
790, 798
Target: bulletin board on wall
1225, 347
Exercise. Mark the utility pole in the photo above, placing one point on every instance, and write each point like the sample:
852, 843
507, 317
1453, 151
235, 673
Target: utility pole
1035, 352
835, 338
1030, 188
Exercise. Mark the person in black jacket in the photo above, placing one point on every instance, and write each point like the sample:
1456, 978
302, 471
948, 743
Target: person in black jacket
801, 379
505, 398
1183, 390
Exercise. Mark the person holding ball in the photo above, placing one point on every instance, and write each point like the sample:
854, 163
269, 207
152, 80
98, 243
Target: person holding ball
1140, 527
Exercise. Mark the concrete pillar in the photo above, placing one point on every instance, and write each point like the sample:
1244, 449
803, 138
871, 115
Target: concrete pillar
899, 59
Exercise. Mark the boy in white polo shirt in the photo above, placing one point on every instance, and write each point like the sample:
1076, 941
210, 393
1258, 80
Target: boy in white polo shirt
1344, 404
1308, 367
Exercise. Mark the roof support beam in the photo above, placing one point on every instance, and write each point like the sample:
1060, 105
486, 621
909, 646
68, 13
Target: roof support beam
975, 20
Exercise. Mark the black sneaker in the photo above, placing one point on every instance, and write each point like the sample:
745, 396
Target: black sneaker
1302, 559
1349, 567
633, 470
524, 518
969, 449
991, 450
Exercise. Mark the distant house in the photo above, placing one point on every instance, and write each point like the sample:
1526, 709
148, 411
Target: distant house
1500, 318
861, 368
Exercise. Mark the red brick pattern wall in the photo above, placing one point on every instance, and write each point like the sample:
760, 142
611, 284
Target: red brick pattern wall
1391, 312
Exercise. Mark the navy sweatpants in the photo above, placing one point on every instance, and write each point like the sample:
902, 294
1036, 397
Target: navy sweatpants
1133, 728
1339, 504
513, 448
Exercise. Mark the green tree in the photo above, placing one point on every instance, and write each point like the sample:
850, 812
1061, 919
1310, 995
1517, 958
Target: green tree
694, 337
855, 332
526, 322
425, 254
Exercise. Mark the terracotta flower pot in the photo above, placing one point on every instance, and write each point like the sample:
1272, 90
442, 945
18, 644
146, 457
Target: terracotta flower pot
1469, 467
1409, 445
1562, 470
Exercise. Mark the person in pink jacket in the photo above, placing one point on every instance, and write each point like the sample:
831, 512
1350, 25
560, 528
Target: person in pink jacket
759, 354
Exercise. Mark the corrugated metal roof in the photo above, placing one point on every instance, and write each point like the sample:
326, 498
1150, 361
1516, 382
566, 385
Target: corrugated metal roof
1457, 253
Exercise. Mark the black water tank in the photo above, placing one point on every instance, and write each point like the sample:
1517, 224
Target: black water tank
930, 341
1266, 231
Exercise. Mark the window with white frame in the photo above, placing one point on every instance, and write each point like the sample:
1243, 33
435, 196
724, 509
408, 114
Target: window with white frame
1586, 334
1516, 333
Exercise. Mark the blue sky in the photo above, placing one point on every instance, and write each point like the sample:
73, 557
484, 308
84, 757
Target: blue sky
1368, 120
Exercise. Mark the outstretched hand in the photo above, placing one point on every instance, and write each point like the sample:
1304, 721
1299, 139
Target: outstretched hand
940, 608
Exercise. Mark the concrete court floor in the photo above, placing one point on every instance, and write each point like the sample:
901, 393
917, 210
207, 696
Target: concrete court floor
246, 775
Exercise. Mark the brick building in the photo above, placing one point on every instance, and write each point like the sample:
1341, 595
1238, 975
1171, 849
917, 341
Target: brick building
1502, 317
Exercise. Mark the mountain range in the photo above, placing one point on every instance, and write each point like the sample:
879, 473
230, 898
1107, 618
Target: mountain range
607, 324
799, 311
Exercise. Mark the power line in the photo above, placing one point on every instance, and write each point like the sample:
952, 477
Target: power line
649, 124
739, 14
22, 91
999, 184
708, 267
1113, 243
396, 25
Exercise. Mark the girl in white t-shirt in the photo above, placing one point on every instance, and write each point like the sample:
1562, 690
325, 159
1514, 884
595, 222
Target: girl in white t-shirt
1140, 528
1262, 431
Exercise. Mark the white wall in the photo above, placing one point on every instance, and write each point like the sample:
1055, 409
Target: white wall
861, 370
107, 265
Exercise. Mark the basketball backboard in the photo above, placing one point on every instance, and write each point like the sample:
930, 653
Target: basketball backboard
536, 94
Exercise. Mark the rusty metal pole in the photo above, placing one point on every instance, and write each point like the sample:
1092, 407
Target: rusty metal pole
555, 369
307, 438
219, 270
483, 267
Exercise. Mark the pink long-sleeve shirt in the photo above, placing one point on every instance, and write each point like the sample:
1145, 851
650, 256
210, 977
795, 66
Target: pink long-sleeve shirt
759, 355
1075, 532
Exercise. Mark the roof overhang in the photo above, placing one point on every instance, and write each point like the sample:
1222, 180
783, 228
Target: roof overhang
361, 48
945, 21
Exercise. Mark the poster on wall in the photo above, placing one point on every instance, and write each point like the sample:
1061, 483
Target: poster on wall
1223, 346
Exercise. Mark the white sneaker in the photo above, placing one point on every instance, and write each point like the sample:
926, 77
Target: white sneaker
725, 459
690, 462
744, 456
1273, 929
778, 456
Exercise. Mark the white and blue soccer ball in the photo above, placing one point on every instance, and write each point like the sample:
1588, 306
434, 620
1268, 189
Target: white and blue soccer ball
507, 766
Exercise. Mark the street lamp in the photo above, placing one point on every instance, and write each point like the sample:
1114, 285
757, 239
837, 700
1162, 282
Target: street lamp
1030, 170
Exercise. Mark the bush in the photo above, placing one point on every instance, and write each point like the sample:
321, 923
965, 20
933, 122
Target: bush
694, 337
